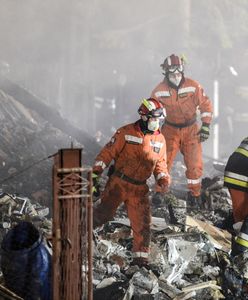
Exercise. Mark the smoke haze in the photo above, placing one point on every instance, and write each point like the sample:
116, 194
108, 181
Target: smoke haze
94, 60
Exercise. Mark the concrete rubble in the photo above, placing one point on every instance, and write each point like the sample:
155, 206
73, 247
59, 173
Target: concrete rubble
190, 253
31, 133
15, 208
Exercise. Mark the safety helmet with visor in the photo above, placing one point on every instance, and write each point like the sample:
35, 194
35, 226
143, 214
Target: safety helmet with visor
174, 68
152, 112
173, 63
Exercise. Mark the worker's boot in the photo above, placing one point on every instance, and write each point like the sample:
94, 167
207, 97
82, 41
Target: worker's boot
158, 198
240, 243
193, 202
227, 223
140, 262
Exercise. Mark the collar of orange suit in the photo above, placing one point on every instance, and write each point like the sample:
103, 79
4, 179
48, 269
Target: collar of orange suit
140, 125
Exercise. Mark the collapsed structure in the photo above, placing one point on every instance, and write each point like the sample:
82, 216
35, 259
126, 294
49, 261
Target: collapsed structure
189, 252
31, 132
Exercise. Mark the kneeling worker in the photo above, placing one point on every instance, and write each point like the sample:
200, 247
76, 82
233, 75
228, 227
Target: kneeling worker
236, 180
138, 151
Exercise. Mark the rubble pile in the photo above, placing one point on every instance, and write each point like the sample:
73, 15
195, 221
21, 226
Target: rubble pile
190, 253
190, 250
15, 208
30, 134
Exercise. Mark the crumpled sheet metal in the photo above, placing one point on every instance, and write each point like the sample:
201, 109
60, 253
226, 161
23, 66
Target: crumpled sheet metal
15, 208
180, 250
107, 248
184, 255
142, 283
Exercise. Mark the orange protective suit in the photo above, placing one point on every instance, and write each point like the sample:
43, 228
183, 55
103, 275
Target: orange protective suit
136, 157
180, 128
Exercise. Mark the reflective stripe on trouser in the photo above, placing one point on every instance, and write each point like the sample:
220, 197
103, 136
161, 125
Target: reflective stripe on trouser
135, 198
194, 186
187, 141
241, 242
140, 254
236, 179
239, 204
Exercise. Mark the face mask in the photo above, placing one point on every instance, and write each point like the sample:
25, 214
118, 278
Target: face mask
153, 124
175, 78
161, 122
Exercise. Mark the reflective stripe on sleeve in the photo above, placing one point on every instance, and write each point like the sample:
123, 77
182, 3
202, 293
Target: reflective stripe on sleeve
206, 114
162, 94
194, 181
100, 163
160, 175
140, 254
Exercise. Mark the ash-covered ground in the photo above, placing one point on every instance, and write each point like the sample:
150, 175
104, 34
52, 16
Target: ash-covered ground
190, 252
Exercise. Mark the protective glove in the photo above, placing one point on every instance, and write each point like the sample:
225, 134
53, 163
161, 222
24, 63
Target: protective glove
96, 184
204, 132
164, 183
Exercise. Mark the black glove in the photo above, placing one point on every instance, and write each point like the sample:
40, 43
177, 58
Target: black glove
96, 184
204, 132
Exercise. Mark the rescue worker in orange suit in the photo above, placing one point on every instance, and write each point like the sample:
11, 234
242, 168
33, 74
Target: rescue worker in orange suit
181, 98
138, 151
236, 180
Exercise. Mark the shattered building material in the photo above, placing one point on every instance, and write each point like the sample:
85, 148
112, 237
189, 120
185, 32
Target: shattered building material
187, 249
14, 209
221, 239
31, 132
34, 107
187, 256
142, 283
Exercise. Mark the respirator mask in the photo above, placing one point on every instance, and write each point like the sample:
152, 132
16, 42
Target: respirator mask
175, 78
153, 124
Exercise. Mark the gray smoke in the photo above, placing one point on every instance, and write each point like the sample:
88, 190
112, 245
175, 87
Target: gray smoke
94, 60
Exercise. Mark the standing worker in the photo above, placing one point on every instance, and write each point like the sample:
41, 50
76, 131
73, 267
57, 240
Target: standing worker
138, 151
236, 180
181, 98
